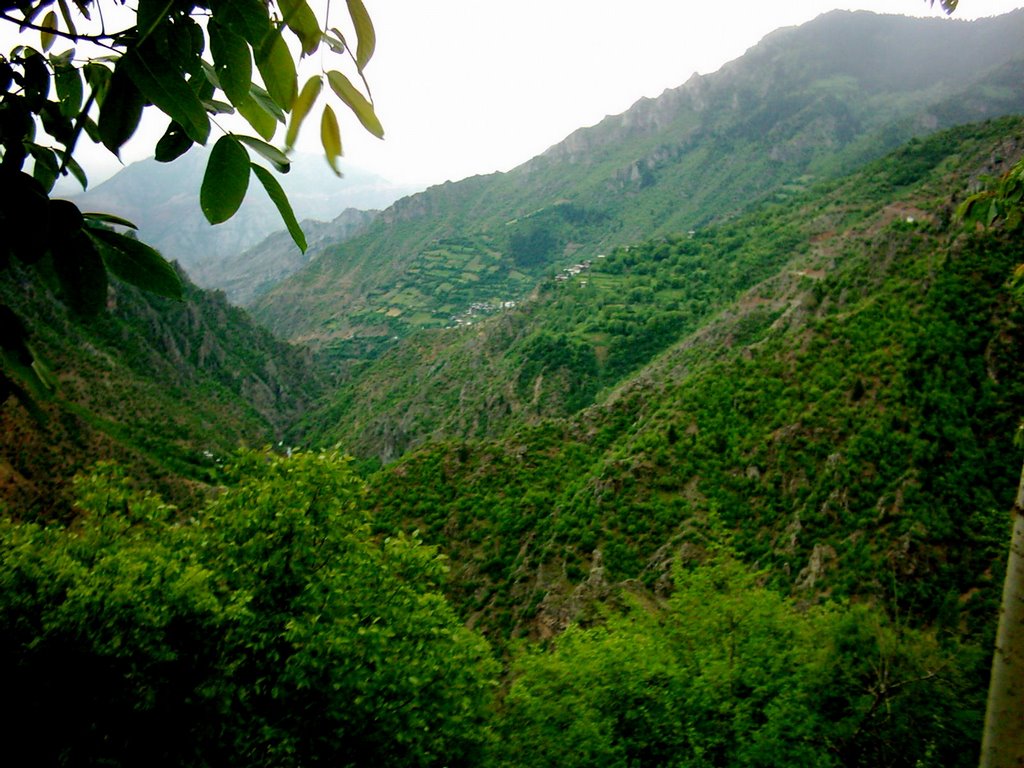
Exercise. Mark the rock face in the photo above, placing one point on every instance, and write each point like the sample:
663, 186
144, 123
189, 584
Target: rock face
646, 117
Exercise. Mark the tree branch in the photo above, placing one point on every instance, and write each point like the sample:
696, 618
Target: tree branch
73, 36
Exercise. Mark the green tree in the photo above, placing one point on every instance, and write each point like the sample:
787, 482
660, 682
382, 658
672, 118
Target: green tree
1002, 204
269, 629
72, 75
733, 674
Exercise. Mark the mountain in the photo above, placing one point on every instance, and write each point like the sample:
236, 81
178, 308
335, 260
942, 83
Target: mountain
163, 200
168, 388
829, 383
805, 104
245, 276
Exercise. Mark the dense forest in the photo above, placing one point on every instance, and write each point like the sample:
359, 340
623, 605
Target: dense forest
732, 489
776, 535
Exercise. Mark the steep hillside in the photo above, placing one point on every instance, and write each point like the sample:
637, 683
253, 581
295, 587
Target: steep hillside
584, 330
845, 420
167, 388
806, 103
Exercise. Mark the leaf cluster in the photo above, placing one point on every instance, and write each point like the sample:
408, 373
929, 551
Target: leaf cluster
191, 61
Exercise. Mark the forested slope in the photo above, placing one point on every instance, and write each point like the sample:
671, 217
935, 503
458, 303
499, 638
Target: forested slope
847, 415
166, 387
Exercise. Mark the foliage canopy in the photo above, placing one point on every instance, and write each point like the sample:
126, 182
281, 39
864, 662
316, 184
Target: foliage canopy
272, 628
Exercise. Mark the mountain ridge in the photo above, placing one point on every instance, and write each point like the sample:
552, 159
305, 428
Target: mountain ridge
167, 387
506, 230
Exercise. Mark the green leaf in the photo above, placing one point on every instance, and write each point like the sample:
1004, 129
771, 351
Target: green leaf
69, 89
149, 13
232, 61
173, 144
76, 170
217, 107
335, 42
204, 84
247, 18
169, 92
79, 268
264, 100
46, 167
330, 137
36, 76
107, 218
56, 123
68, 18
92, 130
304, 102
279, 199
300, 19
137, 263
275, 63
358, 103
367, 39
48, 27
278, 158
98, 78
262, 121
225, 181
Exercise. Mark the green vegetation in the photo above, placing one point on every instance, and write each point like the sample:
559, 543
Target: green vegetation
735, 508
852, 454
731, 493
272, 628
266, 628
167, 387
162, 59
579, 338
728, 673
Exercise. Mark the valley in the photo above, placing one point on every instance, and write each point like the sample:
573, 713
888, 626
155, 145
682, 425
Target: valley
687, 442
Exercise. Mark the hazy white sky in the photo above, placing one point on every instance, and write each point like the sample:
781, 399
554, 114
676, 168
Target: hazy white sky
473, 86
468, 86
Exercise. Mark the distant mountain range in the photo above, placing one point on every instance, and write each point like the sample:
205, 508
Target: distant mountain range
247, 275
728, 318
806, 104
163, 200
833, 379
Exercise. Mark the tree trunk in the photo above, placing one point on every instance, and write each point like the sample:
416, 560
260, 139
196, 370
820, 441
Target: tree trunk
1002, 744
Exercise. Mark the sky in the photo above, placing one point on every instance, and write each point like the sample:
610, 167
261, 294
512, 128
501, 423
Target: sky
466, 87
